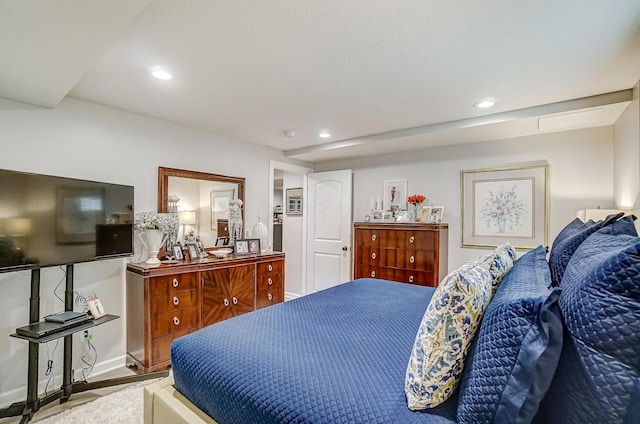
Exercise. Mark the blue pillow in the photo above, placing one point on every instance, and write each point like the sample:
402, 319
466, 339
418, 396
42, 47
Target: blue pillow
600, 362
516, 351
569, 240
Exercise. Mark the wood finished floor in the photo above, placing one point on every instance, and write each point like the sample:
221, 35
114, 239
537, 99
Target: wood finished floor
77, 398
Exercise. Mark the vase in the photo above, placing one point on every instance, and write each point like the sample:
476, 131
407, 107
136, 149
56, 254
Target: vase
153, 240
417, 212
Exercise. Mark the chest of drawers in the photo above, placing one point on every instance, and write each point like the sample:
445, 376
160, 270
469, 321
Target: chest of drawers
408, 253
169, 301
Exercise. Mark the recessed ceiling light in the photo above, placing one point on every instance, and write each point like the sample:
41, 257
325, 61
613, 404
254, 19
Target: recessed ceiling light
161, 74
324, 134
484, 104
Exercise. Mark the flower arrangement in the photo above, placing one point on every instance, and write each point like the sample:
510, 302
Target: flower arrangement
416, 199
166, 222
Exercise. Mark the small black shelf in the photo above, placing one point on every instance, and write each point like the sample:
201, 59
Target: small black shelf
67, 331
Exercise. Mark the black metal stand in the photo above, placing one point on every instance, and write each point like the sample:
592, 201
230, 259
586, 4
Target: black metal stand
33, 403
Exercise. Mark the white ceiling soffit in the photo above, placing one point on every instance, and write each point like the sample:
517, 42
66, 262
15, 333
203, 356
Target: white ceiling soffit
602, 110
48, 46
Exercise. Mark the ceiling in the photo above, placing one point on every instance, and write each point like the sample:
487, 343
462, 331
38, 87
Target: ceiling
380, 75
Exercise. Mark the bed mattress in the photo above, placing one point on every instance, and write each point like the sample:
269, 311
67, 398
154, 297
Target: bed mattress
335, 356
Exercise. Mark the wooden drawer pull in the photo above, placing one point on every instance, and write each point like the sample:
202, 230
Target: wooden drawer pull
175, 282
373, 274
373, 255
412, 259
411, 278
176, 300
374, 237
269, 296
176, 321
270, 268
412, 239
269, 281
226, 302
235, 300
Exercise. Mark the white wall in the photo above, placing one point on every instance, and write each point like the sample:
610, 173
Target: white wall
88, 141
581, 175
627, 157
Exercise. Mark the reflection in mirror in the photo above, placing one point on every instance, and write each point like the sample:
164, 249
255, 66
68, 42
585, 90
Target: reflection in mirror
203, 204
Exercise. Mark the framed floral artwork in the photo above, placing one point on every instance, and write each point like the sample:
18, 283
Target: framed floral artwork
505, 204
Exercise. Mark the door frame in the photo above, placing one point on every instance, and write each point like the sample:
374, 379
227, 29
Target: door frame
294, 169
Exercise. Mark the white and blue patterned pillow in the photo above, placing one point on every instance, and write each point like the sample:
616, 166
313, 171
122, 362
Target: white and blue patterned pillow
500, 261
445, 335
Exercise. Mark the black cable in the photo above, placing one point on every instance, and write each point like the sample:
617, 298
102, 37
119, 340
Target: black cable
50, 365
64, 276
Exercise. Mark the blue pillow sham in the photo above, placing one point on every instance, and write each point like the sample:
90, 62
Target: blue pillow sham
597, 379
569, 239
516, 351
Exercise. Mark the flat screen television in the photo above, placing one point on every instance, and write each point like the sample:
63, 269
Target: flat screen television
47, 220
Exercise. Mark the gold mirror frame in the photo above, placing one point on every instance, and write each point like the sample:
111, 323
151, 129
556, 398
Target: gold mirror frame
163, 183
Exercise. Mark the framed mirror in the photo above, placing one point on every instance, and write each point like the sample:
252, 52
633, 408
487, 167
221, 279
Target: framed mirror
203, 202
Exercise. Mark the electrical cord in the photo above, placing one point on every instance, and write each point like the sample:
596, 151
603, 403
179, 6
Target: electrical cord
86, 358
50, 366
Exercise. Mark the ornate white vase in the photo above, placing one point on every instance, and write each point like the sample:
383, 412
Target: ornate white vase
260, 231
153, 240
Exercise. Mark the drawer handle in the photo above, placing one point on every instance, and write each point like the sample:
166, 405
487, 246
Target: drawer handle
373, 273
270, 268
175, 282
176, 321
411, 278
176, 300
269, 281
269, 296
235, 300
226, 302
412, 259
412, 239
374, 237
373, 255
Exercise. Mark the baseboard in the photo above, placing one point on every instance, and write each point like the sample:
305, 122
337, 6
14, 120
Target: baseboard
19, 394
291, 296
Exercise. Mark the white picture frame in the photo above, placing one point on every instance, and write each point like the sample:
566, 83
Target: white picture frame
395, 193
436, 213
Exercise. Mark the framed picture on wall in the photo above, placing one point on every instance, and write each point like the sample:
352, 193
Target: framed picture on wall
395, 193
505, 204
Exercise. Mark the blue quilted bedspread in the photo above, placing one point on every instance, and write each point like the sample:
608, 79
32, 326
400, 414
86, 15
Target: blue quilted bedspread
336, 356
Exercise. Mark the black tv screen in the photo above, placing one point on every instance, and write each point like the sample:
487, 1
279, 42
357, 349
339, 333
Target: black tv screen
47, 220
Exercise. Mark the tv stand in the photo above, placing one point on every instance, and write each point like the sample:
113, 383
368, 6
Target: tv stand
33, 403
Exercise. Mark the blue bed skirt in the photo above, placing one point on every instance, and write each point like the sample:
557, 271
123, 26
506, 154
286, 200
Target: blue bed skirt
336, 356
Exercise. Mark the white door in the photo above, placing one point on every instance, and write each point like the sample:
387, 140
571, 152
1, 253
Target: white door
328, 229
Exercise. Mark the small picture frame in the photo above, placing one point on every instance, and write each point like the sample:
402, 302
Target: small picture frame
221, 241
436, 214
96, 309
377, 215
402, 216
177, 252
387, 216
425, 214
192, 248
241, 247
254, 246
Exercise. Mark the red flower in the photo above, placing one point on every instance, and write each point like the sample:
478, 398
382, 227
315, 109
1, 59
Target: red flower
416, 199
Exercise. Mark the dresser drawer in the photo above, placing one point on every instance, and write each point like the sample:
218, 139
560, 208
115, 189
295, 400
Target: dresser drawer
174, 300
269, 297
173, 321
422, 260
175, 282
269, 281
268, 268
401, 275
161, 346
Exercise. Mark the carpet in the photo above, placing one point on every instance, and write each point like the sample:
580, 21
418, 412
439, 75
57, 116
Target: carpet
122, 406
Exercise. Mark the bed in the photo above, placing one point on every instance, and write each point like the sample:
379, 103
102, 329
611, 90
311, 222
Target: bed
340, 355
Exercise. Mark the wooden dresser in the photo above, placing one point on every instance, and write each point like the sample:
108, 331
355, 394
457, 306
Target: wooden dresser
412, 253
171, 300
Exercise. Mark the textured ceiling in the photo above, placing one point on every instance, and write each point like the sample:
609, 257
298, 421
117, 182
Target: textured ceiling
250, 69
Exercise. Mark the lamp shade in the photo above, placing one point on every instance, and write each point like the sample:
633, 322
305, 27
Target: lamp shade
596, 214
187, 217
